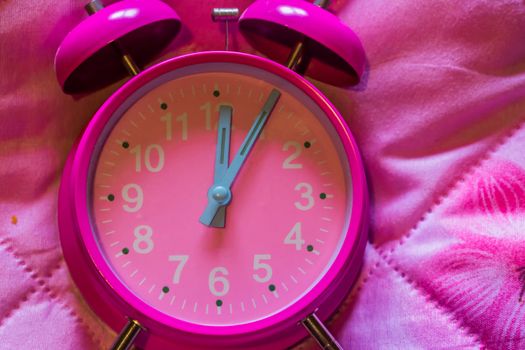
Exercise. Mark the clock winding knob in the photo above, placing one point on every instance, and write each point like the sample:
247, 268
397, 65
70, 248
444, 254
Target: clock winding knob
225, 15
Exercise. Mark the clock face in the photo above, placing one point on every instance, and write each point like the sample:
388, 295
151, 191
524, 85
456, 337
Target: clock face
149, 179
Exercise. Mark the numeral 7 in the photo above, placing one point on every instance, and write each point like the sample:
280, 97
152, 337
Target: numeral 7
182, 260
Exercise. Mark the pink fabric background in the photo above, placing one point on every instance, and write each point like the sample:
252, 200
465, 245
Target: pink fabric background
439, 118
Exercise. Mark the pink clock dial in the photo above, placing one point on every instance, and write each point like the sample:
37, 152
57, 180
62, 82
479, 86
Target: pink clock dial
150, 175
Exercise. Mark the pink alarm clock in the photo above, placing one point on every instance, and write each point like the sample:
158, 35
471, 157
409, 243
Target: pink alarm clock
216, 200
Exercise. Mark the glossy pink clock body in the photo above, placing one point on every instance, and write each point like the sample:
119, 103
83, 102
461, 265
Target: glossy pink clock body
137, 182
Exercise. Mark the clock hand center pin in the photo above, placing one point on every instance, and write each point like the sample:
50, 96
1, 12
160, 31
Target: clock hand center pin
221, 194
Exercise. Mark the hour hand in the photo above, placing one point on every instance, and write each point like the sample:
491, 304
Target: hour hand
222, 156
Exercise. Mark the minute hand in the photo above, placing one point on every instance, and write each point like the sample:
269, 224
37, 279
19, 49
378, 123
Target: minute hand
250, 139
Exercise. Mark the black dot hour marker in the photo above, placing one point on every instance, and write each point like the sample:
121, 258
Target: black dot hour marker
216, 93
307, 144
125, 251
310, 248
164, 106
271, 287
125, 144
219, 302
322, 195
165, 289
111, 197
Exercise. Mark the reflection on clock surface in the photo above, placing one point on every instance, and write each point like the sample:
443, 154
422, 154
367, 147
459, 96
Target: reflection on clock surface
283, 227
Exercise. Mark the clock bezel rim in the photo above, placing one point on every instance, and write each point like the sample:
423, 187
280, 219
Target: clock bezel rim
133, 306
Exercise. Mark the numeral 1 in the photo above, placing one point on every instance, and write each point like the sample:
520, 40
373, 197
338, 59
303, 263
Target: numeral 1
168, 118
183, 119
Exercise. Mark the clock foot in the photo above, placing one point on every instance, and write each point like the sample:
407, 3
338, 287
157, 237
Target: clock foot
318, 331
127, 336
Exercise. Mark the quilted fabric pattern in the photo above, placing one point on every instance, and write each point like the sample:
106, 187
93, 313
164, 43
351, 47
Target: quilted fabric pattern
439, 118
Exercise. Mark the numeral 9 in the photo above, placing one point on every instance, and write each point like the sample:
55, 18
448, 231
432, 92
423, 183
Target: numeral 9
132, 194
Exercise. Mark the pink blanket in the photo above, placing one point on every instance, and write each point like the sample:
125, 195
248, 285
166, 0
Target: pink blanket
439, 118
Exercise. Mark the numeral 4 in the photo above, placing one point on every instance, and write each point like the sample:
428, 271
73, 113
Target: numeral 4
295, 237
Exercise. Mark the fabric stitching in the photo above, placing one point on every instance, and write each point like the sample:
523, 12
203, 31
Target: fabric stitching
18, 305
49, 290
27, 268
348, 300
73, 313
449, 190
9, 247
19, 261
60, 303
44, 287
40, 282
49, 274
440, 199
341, 309
429, 298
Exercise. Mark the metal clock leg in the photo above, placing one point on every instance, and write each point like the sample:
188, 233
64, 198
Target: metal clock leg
127, 336
319, 332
